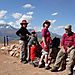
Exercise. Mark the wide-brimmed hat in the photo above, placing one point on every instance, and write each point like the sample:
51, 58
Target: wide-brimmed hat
24, 22
46, 22
68, 26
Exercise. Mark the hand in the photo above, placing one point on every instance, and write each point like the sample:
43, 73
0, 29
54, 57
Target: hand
64, 51
45, 46
68, 49
22, 36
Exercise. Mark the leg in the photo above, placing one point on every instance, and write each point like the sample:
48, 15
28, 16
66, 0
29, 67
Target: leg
28, 53
41, 59
46, 62
71, 62
21, 49
25, 51
59, 58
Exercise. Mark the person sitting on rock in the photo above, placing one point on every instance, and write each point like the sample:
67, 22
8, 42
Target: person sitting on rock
67, 48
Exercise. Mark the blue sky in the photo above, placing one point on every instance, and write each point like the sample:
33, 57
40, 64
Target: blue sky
60, 12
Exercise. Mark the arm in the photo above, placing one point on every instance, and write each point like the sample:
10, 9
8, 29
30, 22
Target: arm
43, 37
37, 41
73, 46
69, 49
62, 44
28, 32
18, 33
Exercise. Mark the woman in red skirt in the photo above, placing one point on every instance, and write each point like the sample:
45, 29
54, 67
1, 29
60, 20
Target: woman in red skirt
46, 42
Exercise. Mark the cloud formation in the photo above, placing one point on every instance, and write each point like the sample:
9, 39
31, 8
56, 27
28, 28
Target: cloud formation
17, 15
53, 21
60, 27
54, 14
24, 17
30, 13
2, 13
2, 22
28, 6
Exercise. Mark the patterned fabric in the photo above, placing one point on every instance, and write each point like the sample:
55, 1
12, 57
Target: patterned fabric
23, 50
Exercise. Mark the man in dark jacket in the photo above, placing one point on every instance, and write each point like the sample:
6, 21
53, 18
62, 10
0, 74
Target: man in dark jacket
23, 34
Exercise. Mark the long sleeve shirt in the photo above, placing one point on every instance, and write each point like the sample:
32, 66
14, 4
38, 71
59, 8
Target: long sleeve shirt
22, 33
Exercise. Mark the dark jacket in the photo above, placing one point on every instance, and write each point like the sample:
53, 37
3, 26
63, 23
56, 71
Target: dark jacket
23, 34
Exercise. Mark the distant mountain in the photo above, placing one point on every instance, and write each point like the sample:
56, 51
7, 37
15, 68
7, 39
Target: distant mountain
6, 27
52, 35
10, 31
7, 30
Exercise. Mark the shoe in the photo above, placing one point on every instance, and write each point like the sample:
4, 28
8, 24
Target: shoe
70, 74
40, 66
54, 69
47, 67
24, 62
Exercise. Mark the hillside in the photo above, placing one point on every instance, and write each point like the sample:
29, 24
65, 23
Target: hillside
10, 31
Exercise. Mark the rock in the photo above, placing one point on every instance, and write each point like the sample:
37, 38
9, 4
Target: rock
3, 48
12, 46
11, 53
17, 55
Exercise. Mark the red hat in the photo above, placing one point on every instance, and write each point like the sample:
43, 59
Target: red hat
33, 31
24, 22
46, 22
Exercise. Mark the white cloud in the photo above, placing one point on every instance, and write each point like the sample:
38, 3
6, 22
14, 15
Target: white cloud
60, 27
53, 21
28, 6
24, 17
2, 22
2, 13
17, 15
11, 23
54, 14
30, 13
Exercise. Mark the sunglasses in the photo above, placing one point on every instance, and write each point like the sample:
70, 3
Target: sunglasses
24, 23
66, 29
33, 33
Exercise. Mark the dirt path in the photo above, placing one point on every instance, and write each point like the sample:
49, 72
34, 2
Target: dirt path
11, 66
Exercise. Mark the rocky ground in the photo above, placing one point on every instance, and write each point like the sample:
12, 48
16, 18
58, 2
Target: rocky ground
11, 66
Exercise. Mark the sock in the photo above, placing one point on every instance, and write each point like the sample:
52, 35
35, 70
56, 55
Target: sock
46, 64
40, 63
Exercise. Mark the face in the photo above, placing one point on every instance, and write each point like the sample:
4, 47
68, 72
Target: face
68, 31
47, 25
24, 25
33, 34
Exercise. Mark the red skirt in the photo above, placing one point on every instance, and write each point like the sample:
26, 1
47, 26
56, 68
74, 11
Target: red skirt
33, 52
45, 48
